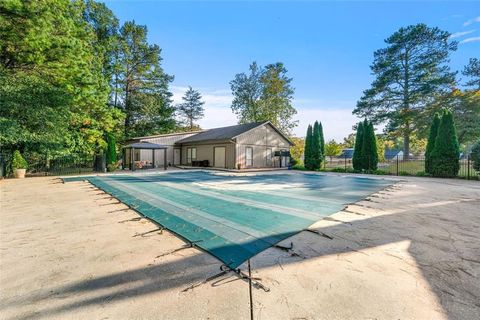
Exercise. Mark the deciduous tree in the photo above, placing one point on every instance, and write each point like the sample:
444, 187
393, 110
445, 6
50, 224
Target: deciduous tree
333, 149
265, 94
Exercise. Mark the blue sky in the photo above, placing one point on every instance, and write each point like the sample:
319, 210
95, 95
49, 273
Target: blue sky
327, 47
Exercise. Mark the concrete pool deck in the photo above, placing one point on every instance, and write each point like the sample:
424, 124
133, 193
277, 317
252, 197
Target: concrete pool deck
412, 251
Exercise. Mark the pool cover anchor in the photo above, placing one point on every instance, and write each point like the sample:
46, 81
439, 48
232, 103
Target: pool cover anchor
320, 233
224, 269
148, 232
185, 246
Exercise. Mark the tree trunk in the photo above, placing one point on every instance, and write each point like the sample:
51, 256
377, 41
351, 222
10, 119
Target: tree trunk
406, 144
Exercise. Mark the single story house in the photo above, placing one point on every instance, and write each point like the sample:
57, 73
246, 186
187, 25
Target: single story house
393, 154
347, 153
250, 145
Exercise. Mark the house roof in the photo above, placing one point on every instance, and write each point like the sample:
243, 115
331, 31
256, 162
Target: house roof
347, 153
145, 145
389, 154
227, 133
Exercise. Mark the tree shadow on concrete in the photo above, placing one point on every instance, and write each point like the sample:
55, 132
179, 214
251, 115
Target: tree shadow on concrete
448, 256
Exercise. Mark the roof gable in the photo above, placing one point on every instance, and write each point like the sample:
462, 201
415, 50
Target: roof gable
221, 134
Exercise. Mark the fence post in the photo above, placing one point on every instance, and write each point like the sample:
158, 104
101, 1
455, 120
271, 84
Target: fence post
345, 156
397, 163
468, 167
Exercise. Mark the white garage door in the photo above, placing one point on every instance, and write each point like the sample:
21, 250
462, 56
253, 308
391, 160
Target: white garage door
219, 160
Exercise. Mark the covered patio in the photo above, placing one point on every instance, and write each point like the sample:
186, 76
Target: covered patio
131, 153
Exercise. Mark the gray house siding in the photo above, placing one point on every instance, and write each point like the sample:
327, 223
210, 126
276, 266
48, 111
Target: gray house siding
205, 151
166, 140
263, 140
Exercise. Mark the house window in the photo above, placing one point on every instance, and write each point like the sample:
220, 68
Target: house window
249, 156
269, 156
191, 155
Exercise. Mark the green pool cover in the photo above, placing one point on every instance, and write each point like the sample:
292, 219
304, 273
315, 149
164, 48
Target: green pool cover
235, 217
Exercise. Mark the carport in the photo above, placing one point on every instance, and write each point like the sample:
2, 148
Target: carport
130, 150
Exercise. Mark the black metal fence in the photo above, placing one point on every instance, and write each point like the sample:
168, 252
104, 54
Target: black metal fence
414, 166
43, 166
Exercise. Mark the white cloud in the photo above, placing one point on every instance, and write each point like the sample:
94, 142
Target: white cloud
336, 123
472, 39
471, 21
460, 34
335, 115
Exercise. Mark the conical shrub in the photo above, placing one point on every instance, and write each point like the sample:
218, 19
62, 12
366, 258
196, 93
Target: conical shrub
446, 153
431, 143
357, 151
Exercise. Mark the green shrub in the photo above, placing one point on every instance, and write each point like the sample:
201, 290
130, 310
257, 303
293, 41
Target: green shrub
299, 167
404, 173
445, 155
293, 161
338, 169
381, 172
422, 174
475, 156
112, 167
18, 162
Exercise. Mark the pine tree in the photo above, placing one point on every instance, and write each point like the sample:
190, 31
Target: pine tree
111, 156
413, 67
431, 143
192, 107
316, 147
307, 155
322, 142
445, 154
357, 151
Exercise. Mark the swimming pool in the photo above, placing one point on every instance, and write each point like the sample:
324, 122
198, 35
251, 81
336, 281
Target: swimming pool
234, 217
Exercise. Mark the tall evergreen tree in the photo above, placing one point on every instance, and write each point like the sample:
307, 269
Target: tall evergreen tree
472, 71
369, 158
316, 147
412, 68
445, 154
144, 95
357, 151
111, 155
431, 143
192, 107
52, 89
322, 141
307, 153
